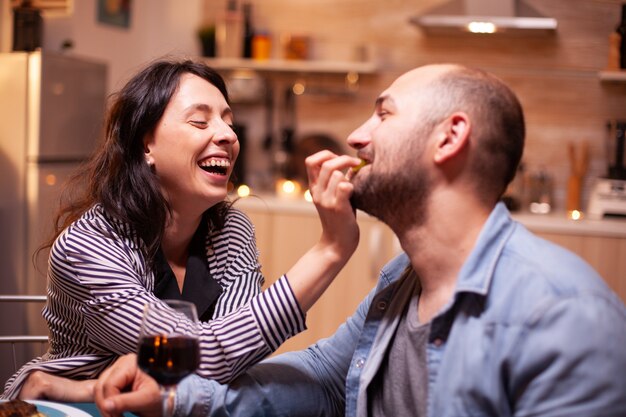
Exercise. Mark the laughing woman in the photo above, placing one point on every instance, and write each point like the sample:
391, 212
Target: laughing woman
152, 223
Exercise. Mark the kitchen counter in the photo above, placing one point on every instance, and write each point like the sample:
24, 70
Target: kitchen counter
273, 204
288, 226
557, 222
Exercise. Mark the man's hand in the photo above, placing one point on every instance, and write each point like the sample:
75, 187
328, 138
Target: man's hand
40, 385
124, 387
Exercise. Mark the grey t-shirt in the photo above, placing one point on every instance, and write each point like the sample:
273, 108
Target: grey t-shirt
400, 388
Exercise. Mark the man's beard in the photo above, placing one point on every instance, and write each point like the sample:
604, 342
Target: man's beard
396, 198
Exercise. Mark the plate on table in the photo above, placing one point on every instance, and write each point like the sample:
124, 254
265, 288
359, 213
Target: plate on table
52, 409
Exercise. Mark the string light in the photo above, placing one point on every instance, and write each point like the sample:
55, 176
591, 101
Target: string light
288, 188
307, 196
481, 27
575, 215
243, 190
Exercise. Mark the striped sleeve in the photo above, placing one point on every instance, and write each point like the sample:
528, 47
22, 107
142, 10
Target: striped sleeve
248, 325
240, 339
278, 313
234, 262
98, 285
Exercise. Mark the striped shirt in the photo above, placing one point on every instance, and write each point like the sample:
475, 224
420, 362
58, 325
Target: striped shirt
98, 283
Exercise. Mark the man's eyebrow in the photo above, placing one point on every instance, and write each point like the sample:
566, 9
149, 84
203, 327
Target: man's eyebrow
382, 99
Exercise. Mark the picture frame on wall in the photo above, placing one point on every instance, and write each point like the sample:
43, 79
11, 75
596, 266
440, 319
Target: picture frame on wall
114, 12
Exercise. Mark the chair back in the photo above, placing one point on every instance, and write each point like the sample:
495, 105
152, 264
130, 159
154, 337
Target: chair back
16, 340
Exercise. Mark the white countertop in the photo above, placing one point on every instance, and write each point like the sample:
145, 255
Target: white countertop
274, 204
557, 222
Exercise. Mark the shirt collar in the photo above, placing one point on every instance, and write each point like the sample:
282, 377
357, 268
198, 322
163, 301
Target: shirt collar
477, 271
200, 287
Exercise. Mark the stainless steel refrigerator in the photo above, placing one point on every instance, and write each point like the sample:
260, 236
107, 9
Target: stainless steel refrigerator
51, 112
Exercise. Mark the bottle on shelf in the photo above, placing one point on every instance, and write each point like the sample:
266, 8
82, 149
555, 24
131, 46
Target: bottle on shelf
206, 34
613, 63
621, 30
229, 32
261, 46
248, 30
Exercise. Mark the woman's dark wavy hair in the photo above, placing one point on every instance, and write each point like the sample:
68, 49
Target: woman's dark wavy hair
117, 175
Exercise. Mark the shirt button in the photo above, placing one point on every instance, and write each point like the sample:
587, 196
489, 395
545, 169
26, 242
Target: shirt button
382, 305
359, 363
438, 342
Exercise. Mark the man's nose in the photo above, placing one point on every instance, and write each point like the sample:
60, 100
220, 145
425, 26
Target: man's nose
360, 137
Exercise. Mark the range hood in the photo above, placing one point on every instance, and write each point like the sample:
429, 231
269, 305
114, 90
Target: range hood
485, 16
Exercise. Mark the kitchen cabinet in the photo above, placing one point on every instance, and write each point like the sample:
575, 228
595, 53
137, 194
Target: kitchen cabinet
606, 254
602, 243
286, 229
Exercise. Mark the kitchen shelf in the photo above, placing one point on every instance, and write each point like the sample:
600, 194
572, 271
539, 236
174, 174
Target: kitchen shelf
292, 66
616, 75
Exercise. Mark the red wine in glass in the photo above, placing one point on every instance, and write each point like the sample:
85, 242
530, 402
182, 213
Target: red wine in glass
168, 359
169, 348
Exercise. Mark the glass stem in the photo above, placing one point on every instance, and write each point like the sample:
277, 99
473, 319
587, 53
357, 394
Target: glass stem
168, 394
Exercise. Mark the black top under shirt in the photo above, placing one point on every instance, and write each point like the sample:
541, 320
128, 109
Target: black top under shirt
199, 288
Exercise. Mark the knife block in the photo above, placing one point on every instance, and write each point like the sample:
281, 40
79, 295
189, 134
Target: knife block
579, 161
574, 191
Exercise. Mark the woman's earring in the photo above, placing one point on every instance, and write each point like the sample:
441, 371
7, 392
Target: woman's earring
150, 162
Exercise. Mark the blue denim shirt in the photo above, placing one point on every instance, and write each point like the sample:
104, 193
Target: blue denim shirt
532, 330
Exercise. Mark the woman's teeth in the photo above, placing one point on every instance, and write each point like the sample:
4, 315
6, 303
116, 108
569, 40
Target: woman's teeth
215, 166
215, 163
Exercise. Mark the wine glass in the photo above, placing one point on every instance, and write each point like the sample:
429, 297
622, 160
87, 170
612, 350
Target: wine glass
169, 348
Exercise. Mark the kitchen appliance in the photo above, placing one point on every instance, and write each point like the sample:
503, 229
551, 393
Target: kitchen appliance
608, 195
485, 16
51, 112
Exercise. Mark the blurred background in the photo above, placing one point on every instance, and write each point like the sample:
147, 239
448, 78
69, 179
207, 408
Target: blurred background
303, 74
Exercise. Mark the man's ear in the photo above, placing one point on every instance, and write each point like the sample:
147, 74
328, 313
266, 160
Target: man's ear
452, 135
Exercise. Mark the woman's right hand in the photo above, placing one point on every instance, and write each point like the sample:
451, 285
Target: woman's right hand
331, 191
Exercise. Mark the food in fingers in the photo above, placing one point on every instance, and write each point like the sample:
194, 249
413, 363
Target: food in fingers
352, 171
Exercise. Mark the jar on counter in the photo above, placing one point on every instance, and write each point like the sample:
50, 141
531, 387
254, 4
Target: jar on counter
540, 192
514, 195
